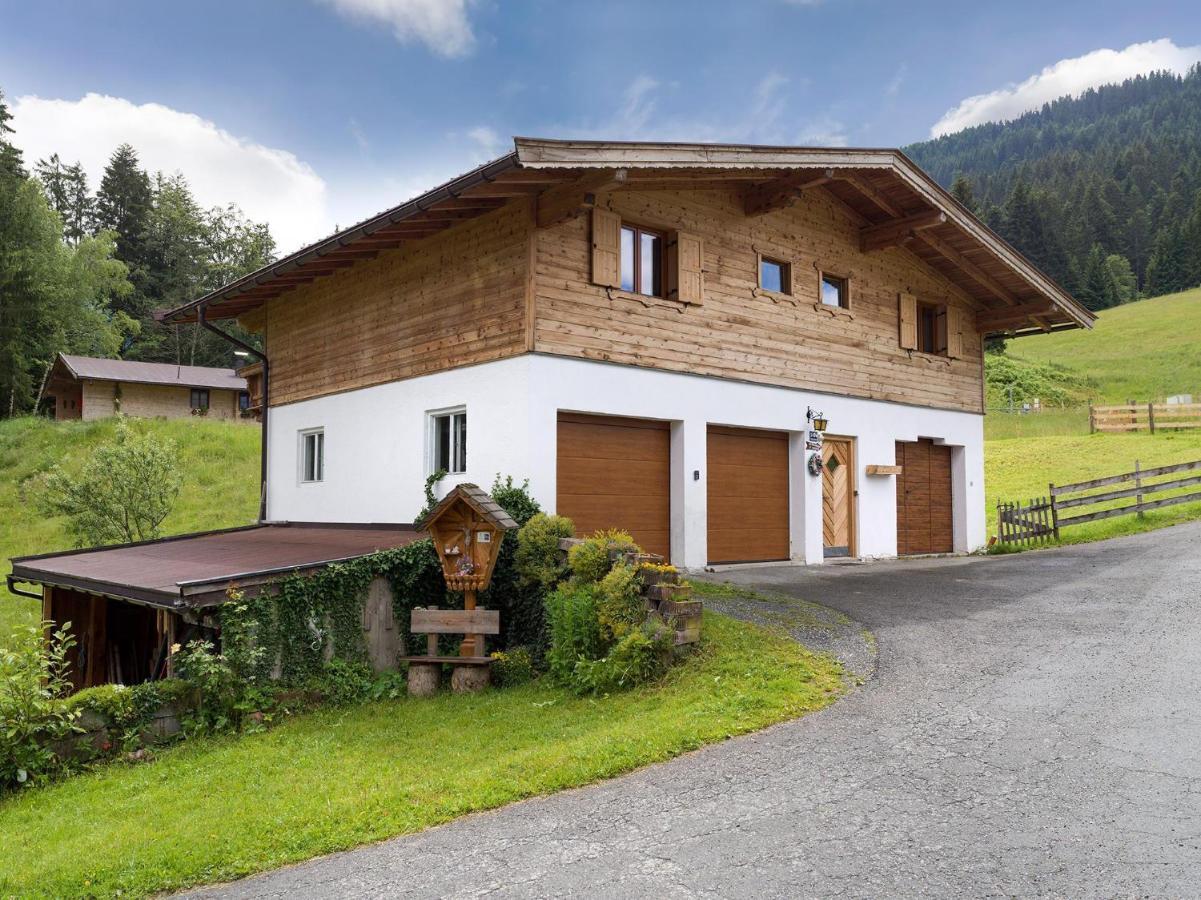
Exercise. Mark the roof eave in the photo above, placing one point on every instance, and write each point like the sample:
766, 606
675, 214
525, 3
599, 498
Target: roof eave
409, 208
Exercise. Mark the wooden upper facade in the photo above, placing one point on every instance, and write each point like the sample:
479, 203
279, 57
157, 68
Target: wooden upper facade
533, 253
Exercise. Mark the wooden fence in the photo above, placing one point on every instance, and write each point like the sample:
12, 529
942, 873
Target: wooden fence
1041, 518
1150, 417
1028, 523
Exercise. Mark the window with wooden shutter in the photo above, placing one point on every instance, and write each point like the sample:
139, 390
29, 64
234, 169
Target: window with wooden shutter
955, 320
907, 314
606, 247
686, 262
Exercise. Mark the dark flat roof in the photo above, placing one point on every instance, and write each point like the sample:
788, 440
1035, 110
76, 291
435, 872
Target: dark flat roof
195, 569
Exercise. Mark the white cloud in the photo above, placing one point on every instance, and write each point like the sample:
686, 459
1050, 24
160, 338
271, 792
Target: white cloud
824, 131
441, 25
490, 145
894, 86
268, 184
1067, 77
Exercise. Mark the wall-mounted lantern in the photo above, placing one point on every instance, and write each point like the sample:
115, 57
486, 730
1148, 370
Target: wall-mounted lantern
817, 419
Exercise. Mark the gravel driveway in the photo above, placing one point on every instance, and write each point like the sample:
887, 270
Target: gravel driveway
1032, 729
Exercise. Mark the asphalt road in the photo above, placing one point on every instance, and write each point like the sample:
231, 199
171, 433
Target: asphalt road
1033, 729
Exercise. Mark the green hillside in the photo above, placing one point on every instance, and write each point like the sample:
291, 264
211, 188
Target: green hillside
1139, 351
220, 463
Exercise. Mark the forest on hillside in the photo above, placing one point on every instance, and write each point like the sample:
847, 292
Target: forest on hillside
1102, 191
84, 271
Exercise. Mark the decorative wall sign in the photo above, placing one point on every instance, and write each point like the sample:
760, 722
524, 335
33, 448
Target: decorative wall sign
813, 440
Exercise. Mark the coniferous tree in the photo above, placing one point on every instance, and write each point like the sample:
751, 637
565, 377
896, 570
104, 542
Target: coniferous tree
67, 191
123, 206
1119, 166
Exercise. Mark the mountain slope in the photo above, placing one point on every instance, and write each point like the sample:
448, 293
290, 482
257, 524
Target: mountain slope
1140, 351
1113, 172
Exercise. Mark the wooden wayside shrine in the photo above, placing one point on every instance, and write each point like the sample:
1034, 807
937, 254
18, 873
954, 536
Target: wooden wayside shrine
467, 528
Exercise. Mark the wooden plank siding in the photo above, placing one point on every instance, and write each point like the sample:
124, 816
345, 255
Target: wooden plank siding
454, 299
498, 286
741, 332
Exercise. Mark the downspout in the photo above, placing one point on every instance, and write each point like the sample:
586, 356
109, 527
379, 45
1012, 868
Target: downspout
261, 357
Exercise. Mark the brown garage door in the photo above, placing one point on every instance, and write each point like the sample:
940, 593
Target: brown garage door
748, 495
924, 498
615, 473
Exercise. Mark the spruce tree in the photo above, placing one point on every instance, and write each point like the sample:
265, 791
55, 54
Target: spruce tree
123, 206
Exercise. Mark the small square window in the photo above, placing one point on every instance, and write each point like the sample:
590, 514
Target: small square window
641, 261
200, 398
450, 441
775, 275
932, 329
312, 456
834, 291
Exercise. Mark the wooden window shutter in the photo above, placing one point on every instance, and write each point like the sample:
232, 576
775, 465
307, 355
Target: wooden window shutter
685, 265
955, 319
907, 315
606, 247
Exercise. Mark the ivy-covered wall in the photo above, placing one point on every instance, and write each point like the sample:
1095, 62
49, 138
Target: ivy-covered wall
313, 618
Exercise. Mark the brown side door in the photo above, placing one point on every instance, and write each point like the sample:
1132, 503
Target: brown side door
924, 498
616, 473
748, 495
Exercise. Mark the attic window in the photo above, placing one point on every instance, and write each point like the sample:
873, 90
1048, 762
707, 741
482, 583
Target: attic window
641, 261
932, 328
775, 275
834, 291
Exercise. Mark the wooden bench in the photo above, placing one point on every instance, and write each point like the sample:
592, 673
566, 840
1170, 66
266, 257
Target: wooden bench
471, 672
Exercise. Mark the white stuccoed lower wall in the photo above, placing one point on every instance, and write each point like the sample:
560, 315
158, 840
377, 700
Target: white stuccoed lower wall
376, 445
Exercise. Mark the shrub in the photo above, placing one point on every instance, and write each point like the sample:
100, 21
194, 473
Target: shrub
591, 560
515, 499
122, 493
129, 710
574, 629
342, 682
224, 697
539, 560
512, 667
33, 716
641, 656
620, 607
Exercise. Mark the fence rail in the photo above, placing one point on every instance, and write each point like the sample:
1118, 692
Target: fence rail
1041, 518
1150, 417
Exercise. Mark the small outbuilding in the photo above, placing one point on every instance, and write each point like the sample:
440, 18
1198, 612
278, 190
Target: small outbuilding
84, 387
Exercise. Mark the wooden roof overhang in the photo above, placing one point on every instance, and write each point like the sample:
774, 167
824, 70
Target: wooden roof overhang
891, 200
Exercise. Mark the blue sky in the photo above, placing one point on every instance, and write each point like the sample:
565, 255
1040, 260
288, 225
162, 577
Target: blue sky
312, 113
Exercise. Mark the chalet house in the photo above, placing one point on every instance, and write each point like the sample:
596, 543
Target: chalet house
737, 353
641, 329
82, 387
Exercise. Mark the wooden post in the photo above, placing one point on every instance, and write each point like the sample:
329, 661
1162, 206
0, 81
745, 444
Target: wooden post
1000, 524
1092, 419
1054, 511
467, 648
1138, 483
1151, 416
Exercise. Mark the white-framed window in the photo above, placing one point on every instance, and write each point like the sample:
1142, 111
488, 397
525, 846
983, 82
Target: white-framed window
312, 455
448, 441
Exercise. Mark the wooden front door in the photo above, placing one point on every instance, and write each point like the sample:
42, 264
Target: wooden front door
616, 473
748, 495
838, 496
924, 510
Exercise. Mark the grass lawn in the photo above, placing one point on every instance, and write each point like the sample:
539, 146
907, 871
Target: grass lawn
1018, 469
1142, 351
221, 476
216, 809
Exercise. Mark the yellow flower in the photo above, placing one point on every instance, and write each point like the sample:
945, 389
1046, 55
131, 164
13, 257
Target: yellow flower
175, 648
